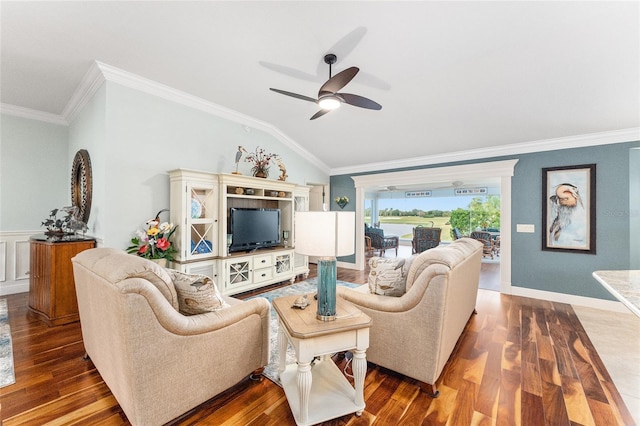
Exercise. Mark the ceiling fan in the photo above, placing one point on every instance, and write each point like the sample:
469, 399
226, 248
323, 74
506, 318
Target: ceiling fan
328, 96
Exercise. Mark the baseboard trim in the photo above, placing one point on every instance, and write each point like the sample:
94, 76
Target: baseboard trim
14, 287
589, 302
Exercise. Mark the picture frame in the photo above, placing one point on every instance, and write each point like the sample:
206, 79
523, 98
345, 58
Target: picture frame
569, 209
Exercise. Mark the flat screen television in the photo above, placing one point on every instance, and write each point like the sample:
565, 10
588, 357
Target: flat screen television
253, 228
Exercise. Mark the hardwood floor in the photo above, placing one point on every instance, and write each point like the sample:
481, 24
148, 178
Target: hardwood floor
520, 362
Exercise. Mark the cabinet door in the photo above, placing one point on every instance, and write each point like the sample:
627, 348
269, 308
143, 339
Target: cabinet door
202, 222
207, 268
238, 272
283, 263
40, 277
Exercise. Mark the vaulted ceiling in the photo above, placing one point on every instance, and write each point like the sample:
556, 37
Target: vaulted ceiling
451, 76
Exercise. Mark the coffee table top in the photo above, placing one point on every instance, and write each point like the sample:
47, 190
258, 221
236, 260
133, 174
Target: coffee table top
303, 324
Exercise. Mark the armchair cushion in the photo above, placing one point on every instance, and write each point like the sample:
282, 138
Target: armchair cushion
197, 294
115, 268
387, 277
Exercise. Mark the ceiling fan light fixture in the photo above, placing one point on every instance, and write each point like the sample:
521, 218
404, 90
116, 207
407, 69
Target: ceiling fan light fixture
329, 102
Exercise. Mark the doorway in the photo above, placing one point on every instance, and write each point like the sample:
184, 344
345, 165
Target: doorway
502, 170
317, 202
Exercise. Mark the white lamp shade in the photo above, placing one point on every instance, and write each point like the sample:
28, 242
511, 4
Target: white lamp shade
325, 234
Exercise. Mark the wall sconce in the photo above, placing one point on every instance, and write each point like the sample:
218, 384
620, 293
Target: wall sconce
342, 201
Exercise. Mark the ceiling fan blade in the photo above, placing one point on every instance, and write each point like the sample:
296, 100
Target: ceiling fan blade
338, 81
359, 101
320, 113
294, 95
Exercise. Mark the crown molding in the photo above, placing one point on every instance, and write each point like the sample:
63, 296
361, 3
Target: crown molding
32, 114
99, 72
127, 79
91, 82
579, 141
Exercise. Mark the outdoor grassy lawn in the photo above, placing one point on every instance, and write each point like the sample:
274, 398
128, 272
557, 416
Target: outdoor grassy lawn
436, 222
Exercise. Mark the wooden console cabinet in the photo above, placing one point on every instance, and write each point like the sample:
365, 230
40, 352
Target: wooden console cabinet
52, 292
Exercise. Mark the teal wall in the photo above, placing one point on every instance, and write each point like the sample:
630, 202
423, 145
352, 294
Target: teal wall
634, 207
343, 186
568, 273
34, 177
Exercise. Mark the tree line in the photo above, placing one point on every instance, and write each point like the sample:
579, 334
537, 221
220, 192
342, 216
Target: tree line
414, 212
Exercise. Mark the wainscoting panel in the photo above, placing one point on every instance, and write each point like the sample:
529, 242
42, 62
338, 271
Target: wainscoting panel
3, 261
22, 260
14, 261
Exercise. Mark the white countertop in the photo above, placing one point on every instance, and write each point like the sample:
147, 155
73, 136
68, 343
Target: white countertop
624, 285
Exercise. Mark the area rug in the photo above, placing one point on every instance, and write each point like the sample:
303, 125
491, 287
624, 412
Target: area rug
309, 286
7, 376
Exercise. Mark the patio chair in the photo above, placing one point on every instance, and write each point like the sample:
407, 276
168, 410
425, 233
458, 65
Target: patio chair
368, 248
425, 238
381, 242
456, 234
487, 242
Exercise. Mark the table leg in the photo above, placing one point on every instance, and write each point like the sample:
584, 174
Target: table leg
282, 345
304, 389
359, 371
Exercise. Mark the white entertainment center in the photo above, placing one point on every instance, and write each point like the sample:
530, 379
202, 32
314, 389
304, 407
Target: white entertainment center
200, 204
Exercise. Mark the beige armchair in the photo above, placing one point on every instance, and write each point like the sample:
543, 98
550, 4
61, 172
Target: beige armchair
158, 362
414, 334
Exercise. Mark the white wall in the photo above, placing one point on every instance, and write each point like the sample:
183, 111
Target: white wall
145, 137
34, 177
89, 131
133, 139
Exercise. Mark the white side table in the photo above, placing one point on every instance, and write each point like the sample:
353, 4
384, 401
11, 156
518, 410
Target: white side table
318, 391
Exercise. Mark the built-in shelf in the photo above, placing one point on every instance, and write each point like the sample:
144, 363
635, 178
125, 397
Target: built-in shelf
200, 204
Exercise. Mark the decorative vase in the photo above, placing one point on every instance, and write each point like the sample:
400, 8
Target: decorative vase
161, 262
261, 173
342, 203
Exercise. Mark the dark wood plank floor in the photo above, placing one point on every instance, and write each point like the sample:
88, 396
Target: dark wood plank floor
520, 362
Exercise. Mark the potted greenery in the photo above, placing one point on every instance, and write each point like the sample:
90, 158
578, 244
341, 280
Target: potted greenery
60, 226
